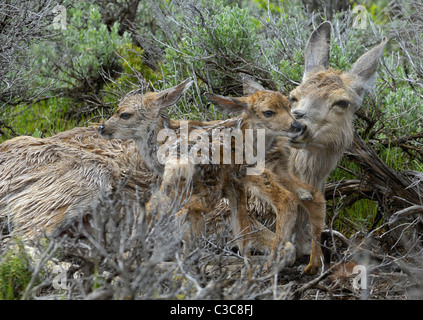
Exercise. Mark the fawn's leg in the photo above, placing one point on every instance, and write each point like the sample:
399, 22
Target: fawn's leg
237, 197
174, 189
284, 204
316, 208
158, 200
261, 237
286, 209
241, 224
193, 219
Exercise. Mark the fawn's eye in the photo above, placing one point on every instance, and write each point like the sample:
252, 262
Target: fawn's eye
268, 113
342, 103
125, 116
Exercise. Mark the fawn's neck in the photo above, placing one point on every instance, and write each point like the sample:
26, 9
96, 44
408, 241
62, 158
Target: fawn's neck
148, 146
257, 141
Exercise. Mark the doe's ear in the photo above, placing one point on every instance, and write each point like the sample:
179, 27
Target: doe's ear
250, 86
365, 67
317, 51
172, 95
227, 104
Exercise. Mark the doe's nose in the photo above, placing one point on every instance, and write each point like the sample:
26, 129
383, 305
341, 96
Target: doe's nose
298, 114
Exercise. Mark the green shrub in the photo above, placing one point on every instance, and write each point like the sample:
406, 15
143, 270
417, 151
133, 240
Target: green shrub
71, 69
15, 274
135, 73
84, 49
215, 45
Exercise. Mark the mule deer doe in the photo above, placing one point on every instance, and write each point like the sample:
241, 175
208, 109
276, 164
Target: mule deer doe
141, 118
326, 102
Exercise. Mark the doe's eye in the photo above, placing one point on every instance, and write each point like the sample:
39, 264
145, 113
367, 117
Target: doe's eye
125, 116
292, 100
342, 103
268, 113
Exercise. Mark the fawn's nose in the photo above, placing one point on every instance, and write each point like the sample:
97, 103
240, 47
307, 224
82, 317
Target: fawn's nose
298, 114
298, 127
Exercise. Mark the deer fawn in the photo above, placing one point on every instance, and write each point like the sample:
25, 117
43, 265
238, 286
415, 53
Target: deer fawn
141, 118
47, 184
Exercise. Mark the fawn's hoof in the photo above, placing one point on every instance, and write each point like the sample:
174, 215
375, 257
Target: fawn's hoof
286, 259
288, 254
311, 270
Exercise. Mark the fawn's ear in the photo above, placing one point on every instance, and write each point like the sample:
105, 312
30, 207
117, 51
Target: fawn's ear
250, 86
172, 95
317, 51
228, 104
365, 67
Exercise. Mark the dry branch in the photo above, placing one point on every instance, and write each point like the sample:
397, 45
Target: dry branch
346, 187
393, 188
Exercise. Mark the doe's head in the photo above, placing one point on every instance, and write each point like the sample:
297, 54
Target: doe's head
136, 114
327, 99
